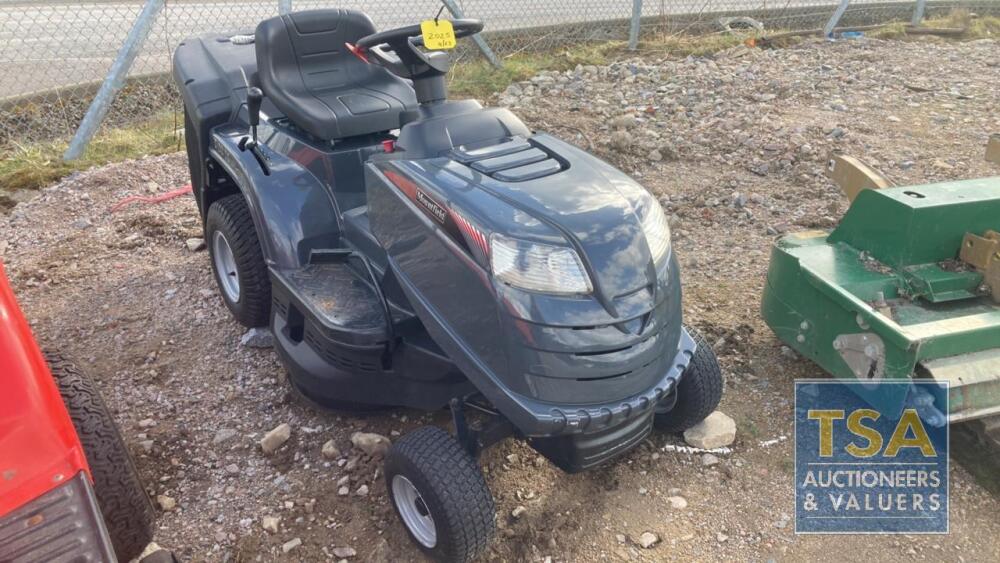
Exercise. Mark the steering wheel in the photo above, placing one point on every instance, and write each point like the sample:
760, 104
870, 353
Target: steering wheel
399, 51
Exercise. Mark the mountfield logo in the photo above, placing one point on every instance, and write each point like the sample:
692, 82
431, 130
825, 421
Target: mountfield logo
861, 470
434, 208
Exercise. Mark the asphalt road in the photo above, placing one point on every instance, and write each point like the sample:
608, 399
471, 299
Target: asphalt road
55, 43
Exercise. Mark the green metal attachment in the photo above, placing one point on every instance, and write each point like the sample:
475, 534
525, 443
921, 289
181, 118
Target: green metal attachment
886, 296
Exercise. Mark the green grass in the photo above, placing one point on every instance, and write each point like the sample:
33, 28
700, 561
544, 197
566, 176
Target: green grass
895, 30
40, 164
697, 45
979, 27
983, 27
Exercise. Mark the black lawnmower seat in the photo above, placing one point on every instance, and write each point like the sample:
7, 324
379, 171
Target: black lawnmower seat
307, 72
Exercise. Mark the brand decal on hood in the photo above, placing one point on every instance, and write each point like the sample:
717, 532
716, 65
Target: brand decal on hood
451, 222
433, 207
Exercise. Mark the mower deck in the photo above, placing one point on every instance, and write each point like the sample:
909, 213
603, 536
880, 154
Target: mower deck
885, 295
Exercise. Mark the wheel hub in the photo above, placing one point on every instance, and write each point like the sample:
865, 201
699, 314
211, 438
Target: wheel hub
413, 511
225, 266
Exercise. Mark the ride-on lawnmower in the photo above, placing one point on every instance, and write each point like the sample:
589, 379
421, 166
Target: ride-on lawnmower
410, 250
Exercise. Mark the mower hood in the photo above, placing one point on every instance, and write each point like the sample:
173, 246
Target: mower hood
438, 219
563, 196
596, 207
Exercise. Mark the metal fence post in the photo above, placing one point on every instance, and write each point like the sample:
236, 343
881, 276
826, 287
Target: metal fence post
918, 12
115, 80
284, 6
835, 18
477, 38
633, 29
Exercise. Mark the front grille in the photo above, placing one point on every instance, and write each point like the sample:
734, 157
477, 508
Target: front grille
621, 375
602, 352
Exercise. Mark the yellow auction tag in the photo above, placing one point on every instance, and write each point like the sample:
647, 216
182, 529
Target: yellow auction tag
438, 34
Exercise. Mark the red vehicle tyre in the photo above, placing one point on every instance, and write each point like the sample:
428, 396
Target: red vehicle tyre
68, 487
127, 511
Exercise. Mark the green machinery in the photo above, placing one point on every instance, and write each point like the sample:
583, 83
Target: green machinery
908, 285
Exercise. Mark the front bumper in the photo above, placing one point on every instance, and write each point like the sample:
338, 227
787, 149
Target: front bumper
607, 431
62, 525
535, 418
579, 452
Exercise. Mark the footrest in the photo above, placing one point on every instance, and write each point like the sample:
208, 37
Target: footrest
338, 298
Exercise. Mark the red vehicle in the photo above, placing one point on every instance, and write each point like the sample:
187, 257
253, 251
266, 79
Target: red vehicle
68, 488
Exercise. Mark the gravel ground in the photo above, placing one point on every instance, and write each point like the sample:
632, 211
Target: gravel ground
734, 145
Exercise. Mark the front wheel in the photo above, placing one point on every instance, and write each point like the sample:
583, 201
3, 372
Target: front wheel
698, 393
440, 495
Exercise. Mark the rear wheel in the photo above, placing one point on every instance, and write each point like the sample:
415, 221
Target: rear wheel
698, 393
237, 261
440, 495
126, 509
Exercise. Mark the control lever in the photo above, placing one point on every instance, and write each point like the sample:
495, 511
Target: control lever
254, 98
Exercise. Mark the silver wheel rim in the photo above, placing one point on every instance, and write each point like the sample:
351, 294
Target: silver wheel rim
413, 511
225, 265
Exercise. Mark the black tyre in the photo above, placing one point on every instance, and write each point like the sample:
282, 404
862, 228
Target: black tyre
127, 511
440, 495
698, 393
237, 261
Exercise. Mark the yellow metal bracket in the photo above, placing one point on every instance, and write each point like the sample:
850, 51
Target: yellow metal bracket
983, 253
853, 175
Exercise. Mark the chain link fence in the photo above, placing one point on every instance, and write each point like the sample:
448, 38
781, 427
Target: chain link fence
55, 54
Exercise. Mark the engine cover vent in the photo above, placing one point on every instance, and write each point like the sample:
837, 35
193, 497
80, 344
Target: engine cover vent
514, 160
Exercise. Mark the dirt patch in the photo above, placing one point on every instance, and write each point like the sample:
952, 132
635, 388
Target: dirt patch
740, 142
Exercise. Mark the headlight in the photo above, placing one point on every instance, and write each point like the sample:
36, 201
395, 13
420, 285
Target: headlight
657, 230
538, 267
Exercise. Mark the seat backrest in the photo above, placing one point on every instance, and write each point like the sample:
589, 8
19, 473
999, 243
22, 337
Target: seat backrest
307, 72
